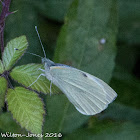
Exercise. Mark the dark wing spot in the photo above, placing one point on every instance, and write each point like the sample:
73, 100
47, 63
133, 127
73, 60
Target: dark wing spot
16, 49
84, 75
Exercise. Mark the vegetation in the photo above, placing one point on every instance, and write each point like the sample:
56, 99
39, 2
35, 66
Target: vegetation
96, 36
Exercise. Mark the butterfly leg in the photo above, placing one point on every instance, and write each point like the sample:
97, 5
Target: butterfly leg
38, 70
50, 87
37, 78
42, 70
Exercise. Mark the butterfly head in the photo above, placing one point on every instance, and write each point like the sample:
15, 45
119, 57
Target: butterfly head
47, 62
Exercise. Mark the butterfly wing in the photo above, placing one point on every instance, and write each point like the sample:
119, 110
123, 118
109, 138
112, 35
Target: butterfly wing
87, 93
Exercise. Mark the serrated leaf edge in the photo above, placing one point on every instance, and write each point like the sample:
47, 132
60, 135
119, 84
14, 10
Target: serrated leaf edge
44, 113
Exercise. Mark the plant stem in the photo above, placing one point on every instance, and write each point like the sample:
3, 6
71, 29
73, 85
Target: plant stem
5, 12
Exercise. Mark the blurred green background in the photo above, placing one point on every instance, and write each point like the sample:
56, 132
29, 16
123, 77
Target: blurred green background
72, 32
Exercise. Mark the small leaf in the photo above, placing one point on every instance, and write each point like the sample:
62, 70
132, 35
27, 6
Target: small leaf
1, 67
27, 108
3, 88
27, 74
11, 55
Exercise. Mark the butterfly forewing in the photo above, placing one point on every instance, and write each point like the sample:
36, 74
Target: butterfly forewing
87, 93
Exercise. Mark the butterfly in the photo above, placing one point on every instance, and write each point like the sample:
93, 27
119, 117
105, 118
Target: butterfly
89, 94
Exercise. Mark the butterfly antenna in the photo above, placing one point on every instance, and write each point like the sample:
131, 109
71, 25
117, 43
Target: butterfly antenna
29, 53
34, 54
40, 41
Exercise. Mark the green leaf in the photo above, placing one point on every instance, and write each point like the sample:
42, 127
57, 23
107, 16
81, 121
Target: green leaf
53, 9
79, 44
126, 131
120, 112
27, 108
27, 74
1, 67
80, 41
10, 55
62, 116
3, 88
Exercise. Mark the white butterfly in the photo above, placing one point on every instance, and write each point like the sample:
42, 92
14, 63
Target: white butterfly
89, 94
